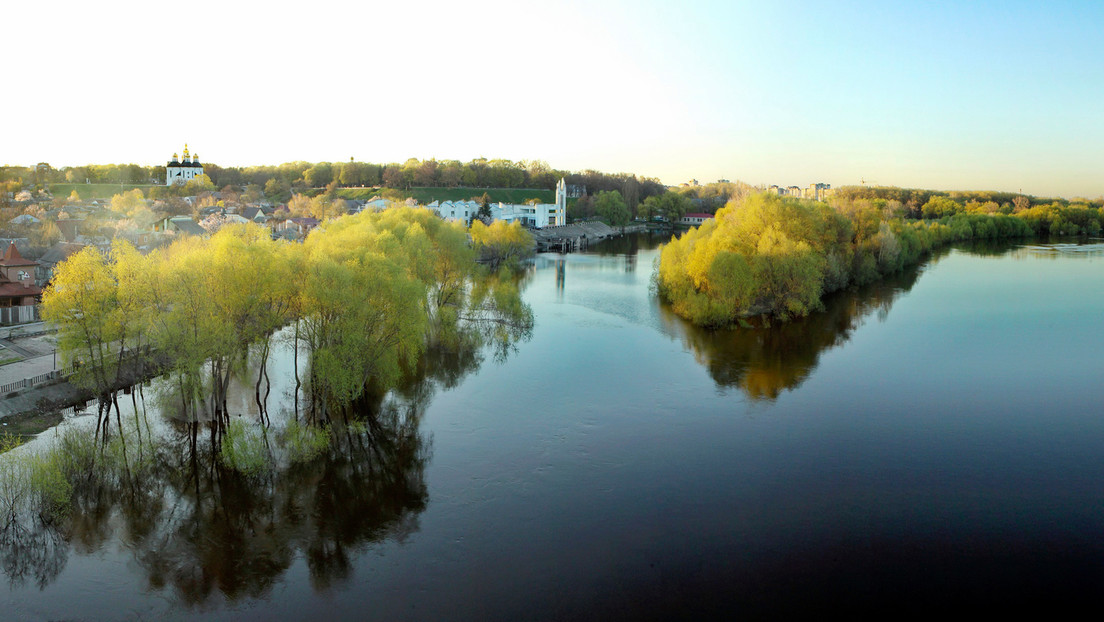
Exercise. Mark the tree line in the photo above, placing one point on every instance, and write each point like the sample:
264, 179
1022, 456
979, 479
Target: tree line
299, 175
778, 256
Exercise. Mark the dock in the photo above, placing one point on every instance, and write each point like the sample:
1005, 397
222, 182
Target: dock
577, 236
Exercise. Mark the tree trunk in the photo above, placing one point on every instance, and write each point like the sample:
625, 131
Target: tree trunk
295, 358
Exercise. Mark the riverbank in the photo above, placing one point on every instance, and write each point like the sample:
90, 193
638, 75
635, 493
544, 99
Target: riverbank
36, 400
31, 401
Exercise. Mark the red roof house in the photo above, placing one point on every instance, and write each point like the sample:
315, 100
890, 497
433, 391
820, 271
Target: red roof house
18, 293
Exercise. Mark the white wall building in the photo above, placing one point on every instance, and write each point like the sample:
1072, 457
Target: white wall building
540, 215
180, 171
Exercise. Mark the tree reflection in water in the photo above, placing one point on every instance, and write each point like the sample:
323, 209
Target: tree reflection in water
205, 530
763, 359
32, 551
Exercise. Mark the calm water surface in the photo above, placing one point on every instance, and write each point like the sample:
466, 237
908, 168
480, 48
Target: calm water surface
932, 442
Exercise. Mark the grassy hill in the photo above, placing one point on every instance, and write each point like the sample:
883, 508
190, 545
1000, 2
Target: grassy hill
95, 191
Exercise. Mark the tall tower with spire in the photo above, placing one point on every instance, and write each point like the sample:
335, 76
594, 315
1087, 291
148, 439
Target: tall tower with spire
561, 202
179, 171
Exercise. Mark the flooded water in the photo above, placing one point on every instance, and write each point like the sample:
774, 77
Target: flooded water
932, 442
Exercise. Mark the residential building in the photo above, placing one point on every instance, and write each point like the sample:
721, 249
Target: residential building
18, 293
537, 215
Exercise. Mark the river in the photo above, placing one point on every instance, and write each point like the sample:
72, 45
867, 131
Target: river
932, 442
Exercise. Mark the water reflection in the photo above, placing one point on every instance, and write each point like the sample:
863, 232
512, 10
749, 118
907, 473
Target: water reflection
32, 552
561, 266
763, 359
203, 530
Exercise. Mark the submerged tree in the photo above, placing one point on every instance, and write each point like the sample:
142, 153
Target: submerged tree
501, 244
93, 328
367, 295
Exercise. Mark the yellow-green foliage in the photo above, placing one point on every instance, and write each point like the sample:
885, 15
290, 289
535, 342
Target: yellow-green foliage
371, 291
83, 304
244, 449
31, 481
131, 203
501, 244
8, 442
764, 255
365, 300
778, 256
305, 443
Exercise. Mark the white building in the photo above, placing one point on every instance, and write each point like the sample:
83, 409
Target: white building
540, 215
180, 171
694, 220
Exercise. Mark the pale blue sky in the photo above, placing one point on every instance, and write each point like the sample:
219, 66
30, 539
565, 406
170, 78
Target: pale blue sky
947, 95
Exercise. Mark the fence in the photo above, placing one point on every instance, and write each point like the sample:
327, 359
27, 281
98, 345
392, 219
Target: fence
73, 410
30, 382
19, 314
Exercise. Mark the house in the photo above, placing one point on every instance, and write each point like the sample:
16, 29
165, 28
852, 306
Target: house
58, 252
183, 225
18, 293
23, 245
375, 204
255, 214
694, 220
70, 228
24, 219
301, 226
536, 215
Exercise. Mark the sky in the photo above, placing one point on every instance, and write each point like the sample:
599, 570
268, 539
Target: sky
942, 95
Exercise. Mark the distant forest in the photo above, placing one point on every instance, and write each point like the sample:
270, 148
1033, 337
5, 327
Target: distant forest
281, 182
300, 177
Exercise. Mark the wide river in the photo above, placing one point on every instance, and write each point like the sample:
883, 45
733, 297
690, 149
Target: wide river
930, 443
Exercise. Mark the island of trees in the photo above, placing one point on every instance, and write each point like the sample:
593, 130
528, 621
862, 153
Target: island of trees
774, 256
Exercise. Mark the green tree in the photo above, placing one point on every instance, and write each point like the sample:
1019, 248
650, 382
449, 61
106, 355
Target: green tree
611, 207
276, 188
82, 302
940, 206
319, 175
671, 206
484, 213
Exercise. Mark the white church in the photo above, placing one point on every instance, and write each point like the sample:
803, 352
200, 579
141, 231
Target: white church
540, 215
180, 171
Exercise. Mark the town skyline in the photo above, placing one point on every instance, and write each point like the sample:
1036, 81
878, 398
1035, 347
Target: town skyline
985, 96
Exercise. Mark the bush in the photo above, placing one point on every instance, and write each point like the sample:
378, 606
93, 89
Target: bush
304, 442
244, 449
